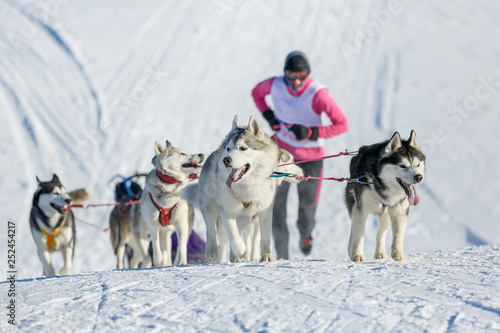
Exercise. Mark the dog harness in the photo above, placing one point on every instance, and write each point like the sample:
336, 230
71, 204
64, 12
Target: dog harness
165, 178
50, 237
165, 213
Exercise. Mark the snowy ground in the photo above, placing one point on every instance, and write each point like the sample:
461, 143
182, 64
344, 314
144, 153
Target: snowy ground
442, 291
86, 87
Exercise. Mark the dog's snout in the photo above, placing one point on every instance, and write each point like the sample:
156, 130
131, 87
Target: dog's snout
418, 178
227, 161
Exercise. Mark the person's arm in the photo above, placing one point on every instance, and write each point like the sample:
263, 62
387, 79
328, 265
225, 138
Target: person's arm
260, 92
323, 102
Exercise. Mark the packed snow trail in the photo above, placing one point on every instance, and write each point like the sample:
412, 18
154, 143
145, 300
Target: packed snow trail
86, 95
454, 290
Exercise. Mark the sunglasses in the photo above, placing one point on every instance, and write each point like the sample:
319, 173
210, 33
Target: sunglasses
295, 75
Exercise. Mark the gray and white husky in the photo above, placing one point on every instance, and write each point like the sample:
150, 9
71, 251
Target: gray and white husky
395, 167
162, 206
235, 186
127, 227
52, 223
251, 234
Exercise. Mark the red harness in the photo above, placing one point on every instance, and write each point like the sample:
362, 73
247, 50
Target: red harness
165, 213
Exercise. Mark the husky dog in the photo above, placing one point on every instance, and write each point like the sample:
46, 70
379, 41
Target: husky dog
251, 234
52, 222
127, 227
162, 207
395, 167
235, 186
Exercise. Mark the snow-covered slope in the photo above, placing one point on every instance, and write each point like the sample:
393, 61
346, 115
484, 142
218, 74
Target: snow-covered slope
455, 291
86, 87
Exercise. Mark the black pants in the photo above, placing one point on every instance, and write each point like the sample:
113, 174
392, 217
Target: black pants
308, 191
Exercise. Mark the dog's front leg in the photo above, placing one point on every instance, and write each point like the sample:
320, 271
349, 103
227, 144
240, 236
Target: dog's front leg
242, 221
157, 255
211, 215
223, 242
399, 223
136, 254
255, 241
120, 254
44, 256
182, 241
385, 224
166, 247
265, 223
357, 238
67, 252
237, 244
251, 235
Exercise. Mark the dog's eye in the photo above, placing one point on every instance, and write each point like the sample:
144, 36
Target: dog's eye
183, 154
402, 166
228, 149
243, 148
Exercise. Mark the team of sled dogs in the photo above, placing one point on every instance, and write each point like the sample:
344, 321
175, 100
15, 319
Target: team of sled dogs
235, 195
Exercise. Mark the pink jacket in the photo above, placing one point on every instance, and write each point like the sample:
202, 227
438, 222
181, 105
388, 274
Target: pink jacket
322, 102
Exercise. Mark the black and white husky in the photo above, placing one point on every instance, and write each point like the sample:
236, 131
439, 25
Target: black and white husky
52, 223
395, 168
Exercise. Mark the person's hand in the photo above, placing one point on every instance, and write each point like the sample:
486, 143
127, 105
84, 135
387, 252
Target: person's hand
302, 132
269, 116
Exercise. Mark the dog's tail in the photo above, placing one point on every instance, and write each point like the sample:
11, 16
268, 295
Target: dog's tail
78, 197
190, 194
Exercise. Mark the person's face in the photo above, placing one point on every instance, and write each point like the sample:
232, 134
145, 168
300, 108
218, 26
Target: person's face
295, 78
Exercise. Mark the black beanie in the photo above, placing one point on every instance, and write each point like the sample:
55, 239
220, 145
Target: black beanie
297, 62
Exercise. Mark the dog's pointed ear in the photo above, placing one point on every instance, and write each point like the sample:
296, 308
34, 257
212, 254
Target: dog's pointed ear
38, 180
55, 178
159, 148
393, 144
168, 145
413, 140
254, 126
285, 156
236, 124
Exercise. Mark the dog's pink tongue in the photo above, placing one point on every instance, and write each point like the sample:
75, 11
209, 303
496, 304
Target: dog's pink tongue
414, 197
233, 176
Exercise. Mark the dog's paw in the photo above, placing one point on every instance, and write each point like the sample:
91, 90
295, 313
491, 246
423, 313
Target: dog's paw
181, 262
237, 259
211, 254
238, 247
268, 258
65, 271
380, 255
398, 255
147, 263
358, 258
